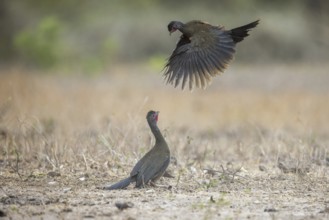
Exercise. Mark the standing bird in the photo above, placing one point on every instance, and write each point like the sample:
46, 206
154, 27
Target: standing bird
153, 164
202, 52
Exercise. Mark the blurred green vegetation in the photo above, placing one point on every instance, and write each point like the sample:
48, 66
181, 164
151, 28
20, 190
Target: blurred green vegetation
40, 46
93, 35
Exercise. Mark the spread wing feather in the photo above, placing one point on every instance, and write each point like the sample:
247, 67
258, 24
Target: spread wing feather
197, 59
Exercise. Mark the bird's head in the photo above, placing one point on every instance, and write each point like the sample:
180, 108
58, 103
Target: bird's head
174, 26
152, 116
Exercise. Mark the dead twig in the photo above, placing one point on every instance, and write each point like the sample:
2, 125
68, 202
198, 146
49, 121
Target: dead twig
16, 168
231, 174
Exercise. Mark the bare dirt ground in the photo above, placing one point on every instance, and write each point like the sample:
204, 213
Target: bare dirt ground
253, 145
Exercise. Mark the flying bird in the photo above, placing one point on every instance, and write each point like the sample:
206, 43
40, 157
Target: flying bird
202, 52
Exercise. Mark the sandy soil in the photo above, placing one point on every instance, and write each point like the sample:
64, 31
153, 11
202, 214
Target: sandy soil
255, 195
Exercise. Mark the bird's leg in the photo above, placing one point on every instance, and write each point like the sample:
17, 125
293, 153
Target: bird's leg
153, 184
167, 175
143, 183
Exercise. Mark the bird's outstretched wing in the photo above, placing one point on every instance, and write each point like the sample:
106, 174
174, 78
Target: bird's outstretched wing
198, 58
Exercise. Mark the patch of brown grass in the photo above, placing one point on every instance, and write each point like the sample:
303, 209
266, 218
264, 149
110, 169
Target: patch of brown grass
71, 118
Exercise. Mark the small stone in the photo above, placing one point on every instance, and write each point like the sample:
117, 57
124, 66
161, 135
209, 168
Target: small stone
2, 213
53, 174
193, 169
326, 210
150, 191
124, 205
66, 189
262, 168
270, 210
67, 210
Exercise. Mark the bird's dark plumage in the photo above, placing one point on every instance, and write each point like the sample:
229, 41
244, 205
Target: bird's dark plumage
202, 52
153, 164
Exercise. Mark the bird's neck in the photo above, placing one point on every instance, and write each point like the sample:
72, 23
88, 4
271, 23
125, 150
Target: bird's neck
157, 134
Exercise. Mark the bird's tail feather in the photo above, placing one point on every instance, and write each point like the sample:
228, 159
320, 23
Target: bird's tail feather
119, 185
239, 33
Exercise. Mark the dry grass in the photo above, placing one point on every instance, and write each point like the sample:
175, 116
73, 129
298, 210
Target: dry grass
94, 129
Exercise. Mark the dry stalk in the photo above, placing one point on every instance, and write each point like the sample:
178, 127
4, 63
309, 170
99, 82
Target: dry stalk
16, 167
